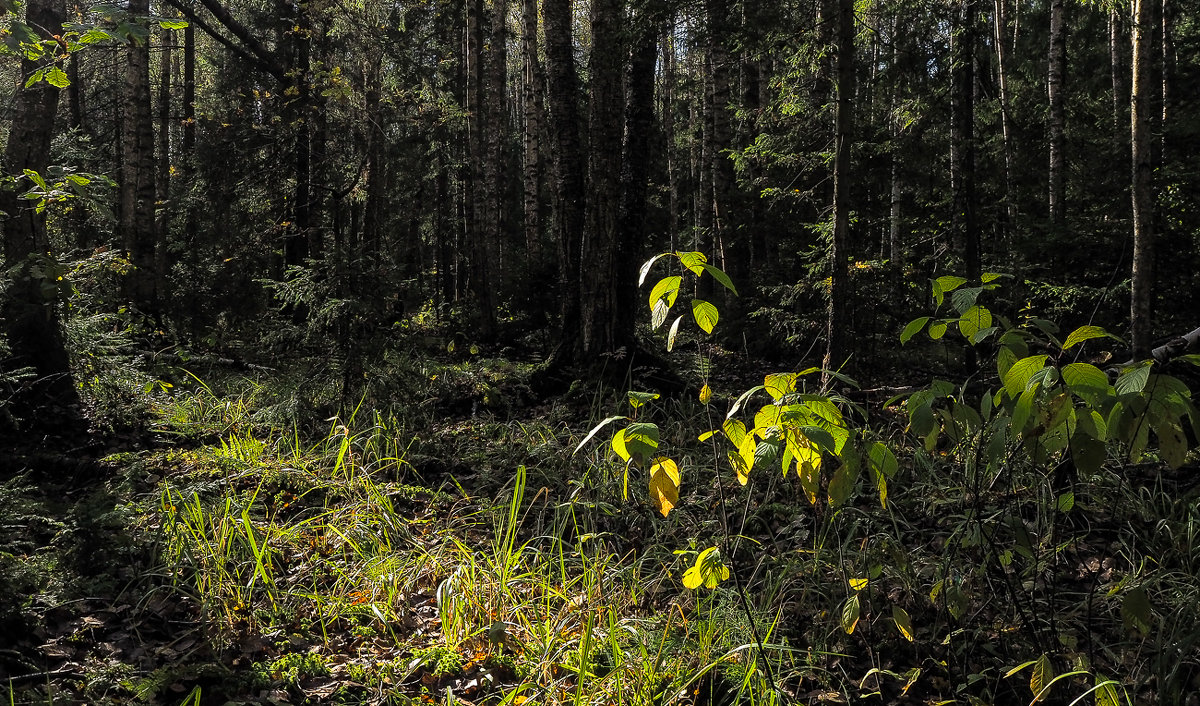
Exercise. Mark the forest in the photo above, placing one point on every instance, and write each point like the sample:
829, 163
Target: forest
613, 352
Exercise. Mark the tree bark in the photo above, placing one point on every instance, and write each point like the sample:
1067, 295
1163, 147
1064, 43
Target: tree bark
1057, 119
532, 110
163, 178
1141, 90
601, 331
840, 293
138, 192
486, 267
562, 97
999, 37
962, 139
29, 309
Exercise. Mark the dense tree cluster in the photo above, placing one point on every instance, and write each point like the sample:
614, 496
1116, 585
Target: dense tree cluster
508, 165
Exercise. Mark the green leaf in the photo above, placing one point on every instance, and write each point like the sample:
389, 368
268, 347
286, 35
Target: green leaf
709, 570
1087, 453
694, 261
1018, 376
1023, 409
937, 329
963, 299
735, 431
779, 384
1133, 379
595, 430
973, 321
1042, 677
637, 399
841, 486
1085, 380
989, 277
721, 277
882, 459
1136, 611
641, 439
913, 328
1065, 502
1106, 691
1172, 444
1083, 333
705, 315
851, 612
618, 445
35, 77
945, 284
57, 77
173, 24
667, 289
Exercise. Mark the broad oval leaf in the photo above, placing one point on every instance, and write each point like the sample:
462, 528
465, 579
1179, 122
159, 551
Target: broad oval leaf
667, 288
974, 320
1085, 380
1083, 333
664, 484
937, 329
618, 445
1042, 677
1017, 377
705, 314
705, 395
913, 328
1133, 379
851, 612
694, 261
637, 399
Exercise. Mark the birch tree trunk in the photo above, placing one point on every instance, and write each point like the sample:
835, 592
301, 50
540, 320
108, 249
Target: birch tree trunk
1054, 129
531, 138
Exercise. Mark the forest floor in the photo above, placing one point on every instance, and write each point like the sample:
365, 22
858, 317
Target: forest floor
441, 541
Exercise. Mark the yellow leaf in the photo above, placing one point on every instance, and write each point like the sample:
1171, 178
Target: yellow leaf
903, 622
664, 484
858, 584
705, 394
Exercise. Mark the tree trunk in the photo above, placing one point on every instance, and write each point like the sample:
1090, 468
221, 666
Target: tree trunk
562, 97
1167, 36
531, 138
1005, 119
731, 257
163, 178
962, 139
1120, 96
29, 309
1143, 197
1054, 128
601, 331
635, 166
840, 293
486, 267
138, 172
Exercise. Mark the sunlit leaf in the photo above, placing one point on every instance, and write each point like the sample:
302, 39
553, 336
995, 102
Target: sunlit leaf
596, 429
664, 484
721, 277
694, 261
1017, 377
851, 612
705, 315
705, 395
1043, 675
903, 622
666, 289
673, 333
858, 584
1083, 333
913, 328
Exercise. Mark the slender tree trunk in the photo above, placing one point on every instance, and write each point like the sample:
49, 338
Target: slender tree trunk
137, 176
1141, 325
373, 208
1057, 120
895, 247
731, 257
532, 109
1120, 95
1167, 35
840, 293
962, 141
1000, 21
163, 179
296, 248
668, 123
28, 311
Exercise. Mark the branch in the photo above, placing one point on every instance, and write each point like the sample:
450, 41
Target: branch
250, 50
